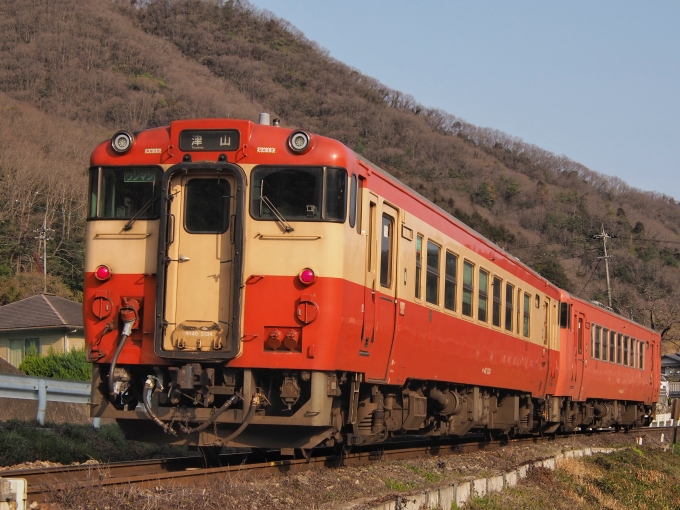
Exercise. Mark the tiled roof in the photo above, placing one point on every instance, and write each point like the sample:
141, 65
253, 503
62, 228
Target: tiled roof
41, 311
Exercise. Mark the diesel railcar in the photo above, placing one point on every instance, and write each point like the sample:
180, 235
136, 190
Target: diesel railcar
250, 285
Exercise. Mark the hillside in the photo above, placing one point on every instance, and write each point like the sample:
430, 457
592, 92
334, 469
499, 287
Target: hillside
73, 73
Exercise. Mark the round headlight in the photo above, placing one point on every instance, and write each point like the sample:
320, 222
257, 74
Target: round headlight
299, 141
121, 142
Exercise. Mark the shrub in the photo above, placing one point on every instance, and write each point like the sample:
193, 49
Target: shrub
59, 365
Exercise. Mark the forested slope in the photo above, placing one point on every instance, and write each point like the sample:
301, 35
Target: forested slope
72, 73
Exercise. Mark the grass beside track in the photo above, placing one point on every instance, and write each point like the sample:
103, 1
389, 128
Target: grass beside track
64, 443
643, 478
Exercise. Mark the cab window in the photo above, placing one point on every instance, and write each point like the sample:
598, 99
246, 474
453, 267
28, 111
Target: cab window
125, 193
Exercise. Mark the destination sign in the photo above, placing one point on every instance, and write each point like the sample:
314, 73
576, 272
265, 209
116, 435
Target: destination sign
209, 140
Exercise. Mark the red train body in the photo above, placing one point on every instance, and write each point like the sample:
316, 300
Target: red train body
249, 285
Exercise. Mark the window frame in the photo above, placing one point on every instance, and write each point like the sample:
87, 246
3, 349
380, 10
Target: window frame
483, 295
390, 249
433, 271
419, 267
509, 306
451, 280
324, 178
497, 304
605, 344
353, 195
186, 204
97, 171
526, 316
468, 288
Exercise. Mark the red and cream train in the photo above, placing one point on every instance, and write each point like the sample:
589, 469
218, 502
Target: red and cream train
251, 285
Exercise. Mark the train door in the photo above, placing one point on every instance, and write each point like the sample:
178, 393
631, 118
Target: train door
386, 286
200, 255
580, 343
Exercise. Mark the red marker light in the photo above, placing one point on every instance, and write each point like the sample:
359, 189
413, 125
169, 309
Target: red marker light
102, 273
307, 276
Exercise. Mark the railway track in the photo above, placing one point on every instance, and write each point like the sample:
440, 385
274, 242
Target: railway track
188, 470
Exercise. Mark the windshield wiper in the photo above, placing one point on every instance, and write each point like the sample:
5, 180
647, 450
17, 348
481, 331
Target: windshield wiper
276, 212
131, 221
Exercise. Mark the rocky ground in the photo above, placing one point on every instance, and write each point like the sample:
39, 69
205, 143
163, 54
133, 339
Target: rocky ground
334, 488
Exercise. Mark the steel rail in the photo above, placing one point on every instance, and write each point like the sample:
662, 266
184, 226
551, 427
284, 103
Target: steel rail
183, 470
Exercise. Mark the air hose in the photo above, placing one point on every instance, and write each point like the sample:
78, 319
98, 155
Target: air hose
127, 329
149, 386
254, 404
212, 418
128, 315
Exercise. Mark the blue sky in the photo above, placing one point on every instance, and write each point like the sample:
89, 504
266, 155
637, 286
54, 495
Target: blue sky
596, 81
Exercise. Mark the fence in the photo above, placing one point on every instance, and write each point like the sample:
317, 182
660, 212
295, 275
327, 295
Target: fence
43, 390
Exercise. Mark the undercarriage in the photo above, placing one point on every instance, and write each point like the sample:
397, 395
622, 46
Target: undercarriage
209, 405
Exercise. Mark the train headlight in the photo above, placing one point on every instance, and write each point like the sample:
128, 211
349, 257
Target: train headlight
103, 273
299, 141
307, 276
121, 142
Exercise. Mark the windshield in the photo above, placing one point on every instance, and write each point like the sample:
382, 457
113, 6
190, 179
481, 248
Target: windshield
125, 193
299, 193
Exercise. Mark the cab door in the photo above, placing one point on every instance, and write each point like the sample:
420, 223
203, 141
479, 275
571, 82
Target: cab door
200, 263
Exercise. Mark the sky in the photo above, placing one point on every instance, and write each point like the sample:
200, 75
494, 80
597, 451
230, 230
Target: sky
596, 81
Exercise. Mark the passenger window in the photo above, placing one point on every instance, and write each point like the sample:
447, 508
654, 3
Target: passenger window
353, 201
605, 343
450, 283
386, 250
592, 340
432, 277
419, 263
625, 351
598, 342
509, 291
612, 346
483, 297
619, 341
468, 288
632, 353
527, 311
642, 356
497, 286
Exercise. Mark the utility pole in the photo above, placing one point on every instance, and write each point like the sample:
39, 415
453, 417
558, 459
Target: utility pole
42, 237
604, 236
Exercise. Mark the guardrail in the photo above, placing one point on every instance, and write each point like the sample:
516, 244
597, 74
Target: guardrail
44, 389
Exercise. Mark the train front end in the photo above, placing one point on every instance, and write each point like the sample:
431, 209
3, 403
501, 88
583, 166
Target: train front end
205, 277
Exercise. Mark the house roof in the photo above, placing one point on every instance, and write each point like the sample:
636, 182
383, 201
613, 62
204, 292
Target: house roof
6, 368
43, 310
670, 359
